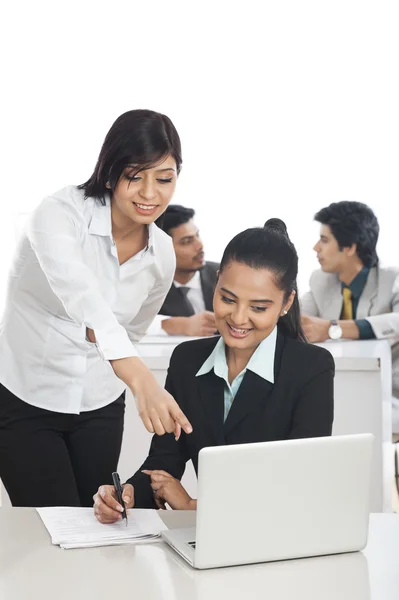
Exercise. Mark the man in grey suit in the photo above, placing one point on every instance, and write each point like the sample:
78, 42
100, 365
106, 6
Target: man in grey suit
351, 296
188, 307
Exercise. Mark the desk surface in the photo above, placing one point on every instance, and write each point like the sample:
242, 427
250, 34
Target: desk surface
31, 568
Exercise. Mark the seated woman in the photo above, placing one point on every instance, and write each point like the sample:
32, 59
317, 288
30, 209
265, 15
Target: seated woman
259, 381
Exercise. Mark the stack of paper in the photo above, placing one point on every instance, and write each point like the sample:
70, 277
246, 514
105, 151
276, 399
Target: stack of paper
78, 527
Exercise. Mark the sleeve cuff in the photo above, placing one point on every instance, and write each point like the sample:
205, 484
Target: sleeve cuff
143, 494
156, 326
365, 330
113, 345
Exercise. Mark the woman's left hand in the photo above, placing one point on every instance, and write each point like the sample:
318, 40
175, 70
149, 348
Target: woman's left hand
168, 489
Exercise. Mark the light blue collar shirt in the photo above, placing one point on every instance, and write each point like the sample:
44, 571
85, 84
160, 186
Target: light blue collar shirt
261, 363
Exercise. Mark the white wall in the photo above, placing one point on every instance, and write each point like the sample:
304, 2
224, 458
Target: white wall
282, 107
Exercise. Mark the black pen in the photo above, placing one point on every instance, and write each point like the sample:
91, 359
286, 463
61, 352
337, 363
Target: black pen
119, 492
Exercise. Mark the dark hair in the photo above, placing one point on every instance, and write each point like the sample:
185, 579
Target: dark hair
176, 215
353, 223
270, 248
141, 137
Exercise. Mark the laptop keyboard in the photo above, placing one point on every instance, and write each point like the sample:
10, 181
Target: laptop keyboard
191, 544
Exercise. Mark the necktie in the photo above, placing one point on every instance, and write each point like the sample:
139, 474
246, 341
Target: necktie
188, 307
347, 308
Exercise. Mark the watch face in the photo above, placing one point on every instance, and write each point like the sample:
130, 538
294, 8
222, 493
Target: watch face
335, 332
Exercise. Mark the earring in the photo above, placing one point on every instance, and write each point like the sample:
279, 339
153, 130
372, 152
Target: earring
284, 313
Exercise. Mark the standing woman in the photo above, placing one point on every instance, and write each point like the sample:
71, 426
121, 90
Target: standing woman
90, 274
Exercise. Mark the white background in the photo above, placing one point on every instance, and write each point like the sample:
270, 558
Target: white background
282, 106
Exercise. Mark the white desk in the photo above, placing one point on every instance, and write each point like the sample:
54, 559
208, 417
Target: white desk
362, 405
32, 569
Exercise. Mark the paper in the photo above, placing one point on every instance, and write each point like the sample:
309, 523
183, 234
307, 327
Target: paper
71, 527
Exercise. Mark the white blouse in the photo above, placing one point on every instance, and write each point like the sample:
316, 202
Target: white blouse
65, 277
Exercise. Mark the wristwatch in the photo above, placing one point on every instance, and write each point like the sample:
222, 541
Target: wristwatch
335, 331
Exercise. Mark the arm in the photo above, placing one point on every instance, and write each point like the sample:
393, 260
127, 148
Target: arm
140, 490
376, 326
55, 233
156, 327
202, 324
314, 411
175, 325
365, 330
316, 329
371, 327
308, 305
387, 325
165, 454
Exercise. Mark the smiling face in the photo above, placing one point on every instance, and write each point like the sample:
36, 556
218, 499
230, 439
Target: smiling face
247, 305
142, 197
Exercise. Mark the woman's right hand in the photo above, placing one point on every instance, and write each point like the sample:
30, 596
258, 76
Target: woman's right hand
158, 410
106, 506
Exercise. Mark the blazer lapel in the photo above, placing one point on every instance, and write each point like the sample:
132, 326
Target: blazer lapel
253, 391
207, 285
333, 300
211, 388
367, 296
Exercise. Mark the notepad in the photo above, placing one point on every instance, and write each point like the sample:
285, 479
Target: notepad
71, 527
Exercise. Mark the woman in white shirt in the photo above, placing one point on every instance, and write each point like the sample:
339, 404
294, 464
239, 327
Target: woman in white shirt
90, 273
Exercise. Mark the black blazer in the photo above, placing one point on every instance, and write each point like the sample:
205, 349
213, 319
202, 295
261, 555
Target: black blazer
298, 405
174, 304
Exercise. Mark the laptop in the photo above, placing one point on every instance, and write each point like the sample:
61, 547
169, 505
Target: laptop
278, 500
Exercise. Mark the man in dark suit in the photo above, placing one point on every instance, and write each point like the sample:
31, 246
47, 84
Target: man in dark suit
187, 309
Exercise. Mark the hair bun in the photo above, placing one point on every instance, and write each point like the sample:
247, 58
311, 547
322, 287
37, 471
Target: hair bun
276, 225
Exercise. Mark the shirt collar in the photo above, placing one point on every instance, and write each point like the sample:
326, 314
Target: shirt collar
194, 283
151, 236
357, 284
261, 362
101, 224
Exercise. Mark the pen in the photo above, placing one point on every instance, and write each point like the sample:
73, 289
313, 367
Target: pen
119, 491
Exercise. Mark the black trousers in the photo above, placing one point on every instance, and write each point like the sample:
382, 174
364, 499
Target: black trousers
55, 459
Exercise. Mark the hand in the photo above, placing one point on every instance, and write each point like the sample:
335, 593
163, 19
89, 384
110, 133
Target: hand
168, 489
106, 506
158, 410
202, 324
315, 329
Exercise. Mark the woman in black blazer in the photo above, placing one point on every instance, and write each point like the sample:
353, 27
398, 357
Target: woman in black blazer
260, 381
